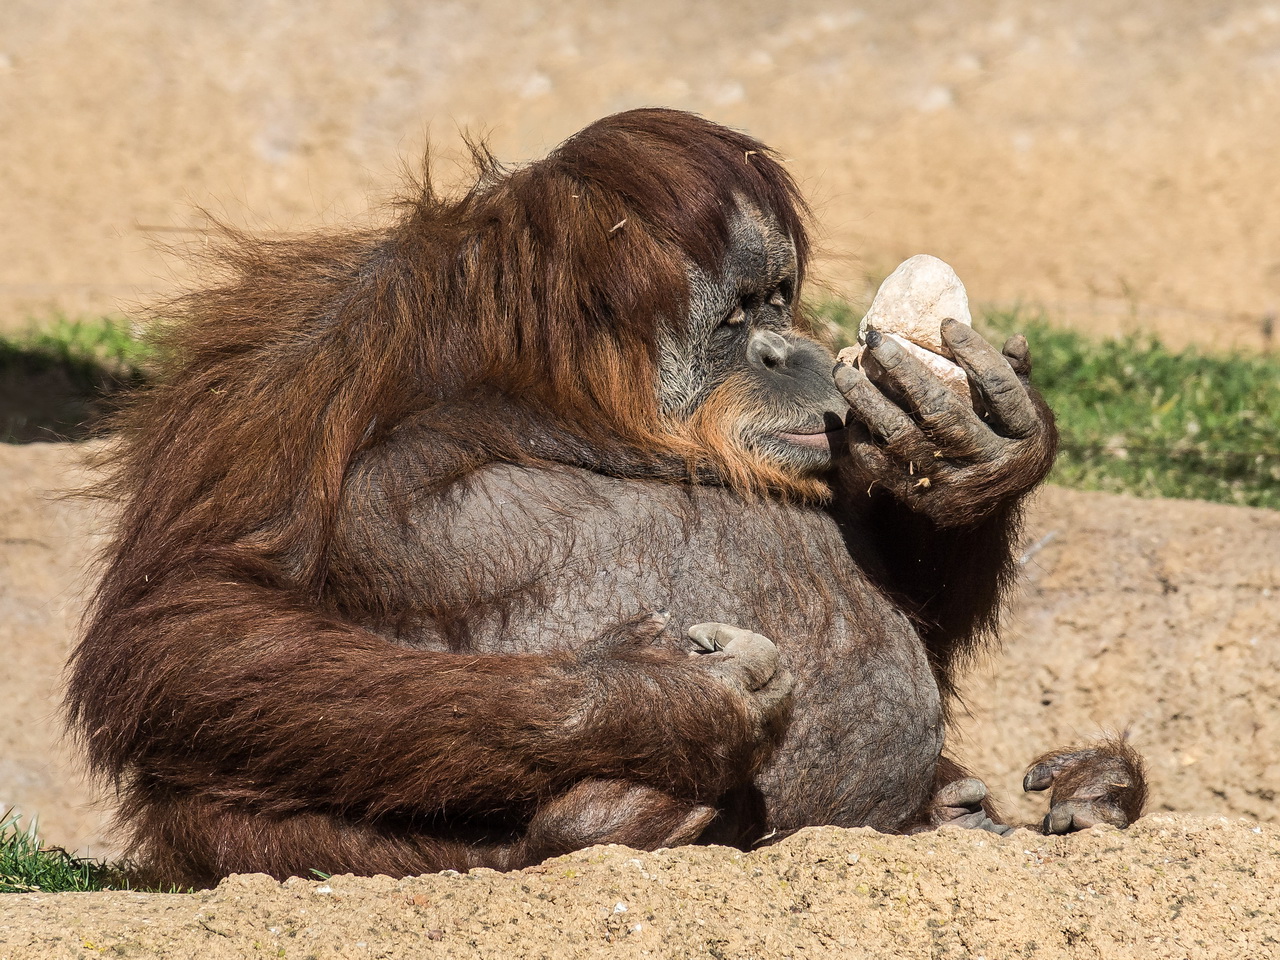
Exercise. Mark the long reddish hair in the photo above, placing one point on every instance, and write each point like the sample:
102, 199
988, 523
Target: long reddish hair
517, 323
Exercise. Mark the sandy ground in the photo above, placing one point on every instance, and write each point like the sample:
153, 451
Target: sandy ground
1115, 166
1176, 887
46, 544
1162, 617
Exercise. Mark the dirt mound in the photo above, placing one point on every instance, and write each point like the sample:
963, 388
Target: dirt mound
1161, 617
1168, 887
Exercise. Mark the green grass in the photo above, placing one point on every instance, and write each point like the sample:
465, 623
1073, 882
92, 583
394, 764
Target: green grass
27, 865
57, 382
1136, 417
85, 346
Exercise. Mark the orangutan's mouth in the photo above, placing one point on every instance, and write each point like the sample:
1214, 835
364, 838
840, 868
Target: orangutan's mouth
819, 439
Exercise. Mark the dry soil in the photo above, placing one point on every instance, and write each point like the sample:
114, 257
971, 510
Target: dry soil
1114, 164
1175, 887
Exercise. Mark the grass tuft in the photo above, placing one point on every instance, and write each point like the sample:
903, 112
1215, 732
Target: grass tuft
28, 866
57, 383
91, 346
1136, 417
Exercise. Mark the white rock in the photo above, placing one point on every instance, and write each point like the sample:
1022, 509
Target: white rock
915, 299
952, 375
910, 307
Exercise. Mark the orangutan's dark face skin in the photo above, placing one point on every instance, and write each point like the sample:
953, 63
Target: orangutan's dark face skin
740, 325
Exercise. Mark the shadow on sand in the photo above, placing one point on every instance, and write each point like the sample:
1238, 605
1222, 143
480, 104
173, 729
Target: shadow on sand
44, 397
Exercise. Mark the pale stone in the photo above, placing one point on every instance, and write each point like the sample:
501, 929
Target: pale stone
915, 299
952, 375
910, 307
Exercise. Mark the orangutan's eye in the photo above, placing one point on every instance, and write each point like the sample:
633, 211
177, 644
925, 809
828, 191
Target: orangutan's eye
736, 317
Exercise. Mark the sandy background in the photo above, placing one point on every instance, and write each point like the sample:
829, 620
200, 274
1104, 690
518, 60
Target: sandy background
1116, 168
1113, 164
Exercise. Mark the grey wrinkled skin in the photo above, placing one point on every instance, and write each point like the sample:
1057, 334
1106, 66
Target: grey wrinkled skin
741, 321
550, 556
959, 804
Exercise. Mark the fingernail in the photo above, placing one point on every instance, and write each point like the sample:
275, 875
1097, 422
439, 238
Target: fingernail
873, 337
844, 374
